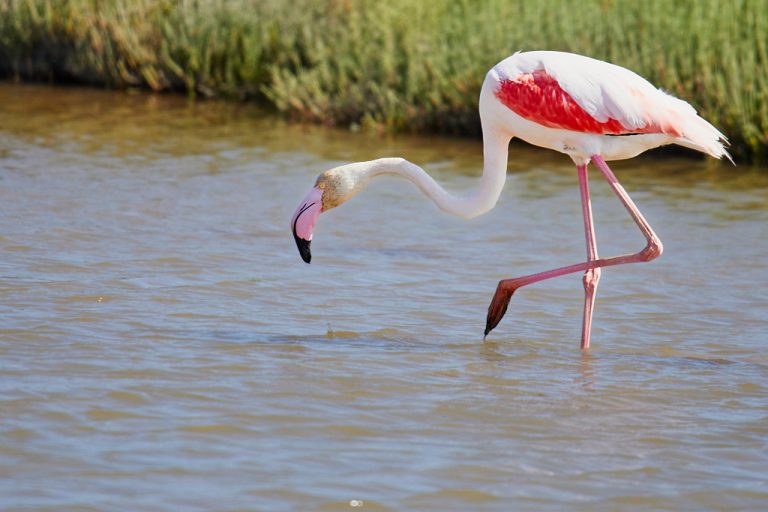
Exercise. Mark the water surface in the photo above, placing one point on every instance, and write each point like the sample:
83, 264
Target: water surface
163, 347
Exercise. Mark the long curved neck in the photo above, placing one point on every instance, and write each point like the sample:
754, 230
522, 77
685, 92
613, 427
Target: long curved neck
479, 201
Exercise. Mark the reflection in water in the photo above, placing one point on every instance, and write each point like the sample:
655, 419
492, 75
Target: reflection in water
587, 374
163, 347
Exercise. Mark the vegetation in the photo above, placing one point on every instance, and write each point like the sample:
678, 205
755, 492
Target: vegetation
398, 65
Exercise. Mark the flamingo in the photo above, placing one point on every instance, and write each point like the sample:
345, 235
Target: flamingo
591, 110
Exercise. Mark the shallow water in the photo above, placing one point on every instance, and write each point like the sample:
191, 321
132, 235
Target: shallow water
163, 347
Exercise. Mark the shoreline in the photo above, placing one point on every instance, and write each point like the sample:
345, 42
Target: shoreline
390, 67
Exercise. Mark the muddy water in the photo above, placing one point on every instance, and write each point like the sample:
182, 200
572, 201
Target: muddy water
163, 347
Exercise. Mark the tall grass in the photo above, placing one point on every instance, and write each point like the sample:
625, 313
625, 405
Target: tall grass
398, 65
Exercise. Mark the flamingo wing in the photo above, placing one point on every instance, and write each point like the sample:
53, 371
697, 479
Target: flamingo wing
572, 92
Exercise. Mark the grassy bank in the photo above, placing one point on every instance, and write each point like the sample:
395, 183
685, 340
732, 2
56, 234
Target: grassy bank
398, 65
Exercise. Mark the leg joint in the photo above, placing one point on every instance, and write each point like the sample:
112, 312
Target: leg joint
591, 278
652, 251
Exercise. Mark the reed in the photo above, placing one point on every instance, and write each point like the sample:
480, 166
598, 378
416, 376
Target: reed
397, 65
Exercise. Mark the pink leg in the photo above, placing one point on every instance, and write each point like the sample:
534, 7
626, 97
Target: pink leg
652, 250
592, 275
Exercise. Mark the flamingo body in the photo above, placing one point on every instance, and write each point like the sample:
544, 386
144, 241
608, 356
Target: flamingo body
582, 106
591, 110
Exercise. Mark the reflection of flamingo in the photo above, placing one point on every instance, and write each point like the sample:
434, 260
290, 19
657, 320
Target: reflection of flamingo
588, 109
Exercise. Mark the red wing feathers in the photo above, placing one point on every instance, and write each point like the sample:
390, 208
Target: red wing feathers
538, 97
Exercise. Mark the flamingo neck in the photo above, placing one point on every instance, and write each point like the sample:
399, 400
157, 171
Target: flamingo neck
479, 201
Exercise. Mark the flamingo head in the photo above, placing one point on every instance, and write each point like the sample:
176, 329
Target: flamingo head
332, 188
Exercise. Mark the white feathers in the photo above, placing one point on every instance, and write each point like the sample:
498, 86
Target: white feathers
607, 91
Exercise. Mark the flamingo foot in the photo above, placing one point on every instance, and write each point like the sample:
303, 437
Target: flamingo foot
499, 304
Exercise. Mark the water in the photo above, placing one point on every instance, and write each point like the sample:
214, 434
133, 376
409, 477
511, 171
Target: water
163, 347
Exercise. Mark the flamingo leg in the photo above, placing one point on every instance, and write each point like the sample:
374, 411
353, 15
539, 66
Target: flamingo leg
592, 275
652, 250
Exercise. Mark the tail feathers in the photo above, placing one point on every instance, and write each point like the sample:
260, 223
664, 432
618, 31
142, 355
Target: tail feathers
695, 132
700, 135
679, 119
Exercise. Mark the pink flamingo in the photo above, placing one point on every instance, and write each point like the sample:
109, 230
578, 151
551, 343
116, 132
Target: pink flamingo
588, 109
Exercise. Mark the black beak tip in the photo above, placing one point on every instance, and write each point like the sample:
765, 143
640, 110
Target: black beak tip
303, 246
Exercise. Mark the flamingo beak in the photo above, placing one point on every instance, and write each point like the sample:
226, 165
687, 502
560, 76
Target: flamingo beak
304, 220
303, 246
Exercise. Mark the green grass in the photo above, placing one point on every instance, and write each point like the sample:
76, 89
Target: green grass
397, 65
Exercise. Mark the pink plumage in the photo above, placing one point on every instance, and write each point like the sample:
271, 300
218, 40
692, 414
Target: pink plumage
586, 96
539, 98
